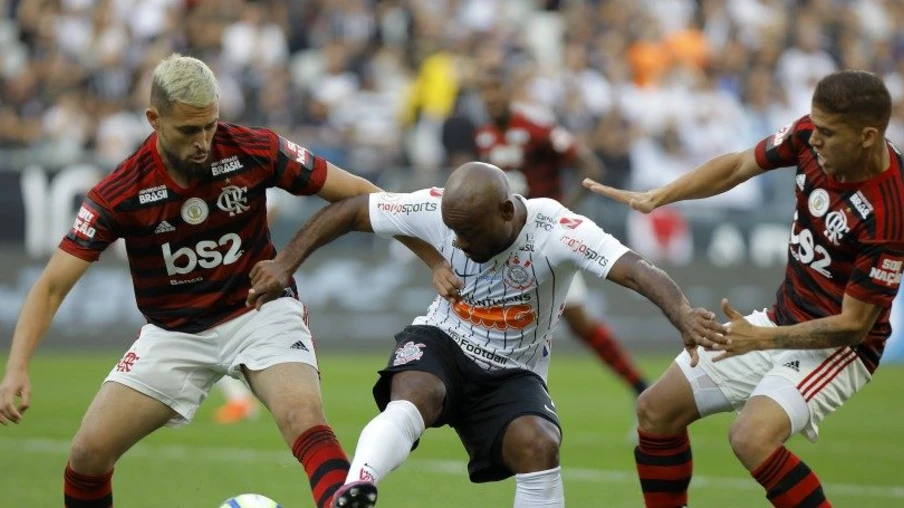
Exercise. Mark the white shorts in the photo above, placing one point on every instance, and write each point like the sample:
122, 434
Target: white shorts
179, 369
577, 292
824, 378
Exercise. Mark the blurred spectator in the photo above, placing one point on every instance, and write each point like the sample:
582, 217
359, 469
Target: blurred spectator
376, 84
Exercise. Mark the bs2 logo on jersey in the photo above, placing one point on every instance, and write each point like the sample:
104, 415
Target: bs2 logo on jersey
205, 254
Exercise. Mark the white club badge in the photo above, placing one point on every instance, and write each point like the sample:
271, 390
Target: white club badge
194, 211
818, 203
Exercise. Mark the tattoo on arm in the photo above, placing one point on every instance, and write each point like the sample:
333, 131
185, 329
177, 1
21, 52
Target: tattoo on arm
816, 334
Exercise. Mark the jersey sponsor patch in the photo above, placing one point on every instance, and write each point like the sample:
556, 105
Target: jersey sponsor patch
888, 270
297, 153
83, 227
818, 203
153, 194
780, 136
570, 222
860, 203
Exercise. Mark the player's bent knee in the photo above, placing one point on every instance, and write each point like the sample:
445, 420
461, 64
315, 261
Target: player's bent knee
531, 443
89, 455
751, 440
298, 416
426, 391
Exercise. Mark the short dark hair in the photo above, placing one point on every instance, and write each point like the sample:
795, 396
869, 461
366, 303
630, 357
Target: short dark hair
858, 95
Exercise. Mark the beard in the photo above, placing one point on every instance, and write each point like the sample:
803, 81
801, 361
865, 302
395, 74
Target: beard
188, 169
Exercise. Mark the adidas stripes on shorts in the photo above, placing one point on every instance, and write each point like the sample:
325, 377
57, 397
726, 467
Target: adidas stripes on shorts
826, 378
179, 369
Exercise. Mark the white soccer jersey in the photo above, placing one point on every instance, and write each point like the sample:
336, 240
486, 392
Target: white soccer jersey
509, 305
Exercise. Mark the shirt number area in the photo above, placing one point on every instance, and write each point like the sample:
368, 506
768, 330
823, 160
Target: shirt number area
803, 248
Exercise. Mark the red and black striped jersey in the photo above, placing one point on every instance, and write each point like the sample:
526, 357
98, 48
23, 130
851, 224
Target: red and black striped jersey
846, 238
532, 151
190, 250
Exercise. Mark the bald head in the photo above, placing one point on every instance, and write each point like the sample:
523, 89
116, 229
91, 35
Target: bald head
479, 208
476, 187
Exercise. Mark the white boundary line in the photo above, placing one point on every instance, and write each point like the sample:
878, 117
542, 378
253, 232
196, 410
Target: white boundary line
205, 454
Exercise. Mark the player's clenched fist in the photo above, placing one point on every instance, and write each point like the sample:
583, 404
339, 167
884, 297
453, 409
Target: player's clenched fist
269, 280
446, 283
15, 384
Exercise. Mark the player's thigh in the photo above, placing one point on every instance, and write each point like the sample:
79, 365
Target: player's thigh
494, 401
811, 384
117, 418
424, 369
726, 385
276, 334
174, 368
291, 391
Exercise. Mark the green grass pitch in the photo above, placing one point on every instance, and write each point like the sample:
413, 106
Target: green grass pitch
860, 457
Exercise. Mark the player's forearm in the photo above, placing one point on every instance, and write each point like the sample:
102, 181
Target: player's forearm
656, 286
828, 332
715, 176
329, 223
37, 313
422, 249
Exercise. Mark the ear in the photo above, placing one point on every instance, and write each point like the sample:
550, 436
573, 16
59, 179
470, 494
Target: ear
869, 136
153, 117
507, 208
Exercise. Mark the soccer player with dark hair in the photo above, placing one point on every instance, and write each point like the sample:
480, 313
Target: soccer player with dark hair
790, 365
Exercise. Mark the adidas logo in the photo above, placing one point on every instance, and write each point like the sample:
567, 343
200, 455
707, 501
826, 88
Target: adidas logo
299, 345
801, 181
793, 365
164, 227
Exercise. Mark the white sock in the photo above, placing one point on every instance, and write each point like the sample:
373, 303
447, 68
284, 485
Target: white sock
386, 441
542, 489
234, 389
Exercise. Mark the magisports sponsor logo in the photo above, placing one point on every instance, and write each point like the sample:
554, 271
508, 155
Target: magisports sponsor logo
581, 248
407, 208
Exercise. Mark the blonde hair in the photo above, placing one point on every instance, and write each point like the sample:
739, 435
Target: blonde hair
183, 79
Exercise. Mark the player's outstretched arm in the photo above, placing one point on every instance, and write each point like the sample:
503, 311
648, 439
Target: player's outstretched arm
270, 278
340, 184
697, 325
45, 297
713, 177
845, 329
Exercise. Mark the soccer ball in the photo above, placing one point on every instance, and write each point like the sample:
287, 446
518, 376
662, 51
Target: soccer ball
250, 501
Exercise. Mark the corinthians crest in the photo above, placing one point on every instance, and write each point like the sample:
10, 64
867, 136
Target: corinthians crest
517, 274
233, 199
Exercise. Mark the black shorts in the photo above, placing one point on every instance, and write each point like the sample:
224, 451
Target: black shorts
479, 404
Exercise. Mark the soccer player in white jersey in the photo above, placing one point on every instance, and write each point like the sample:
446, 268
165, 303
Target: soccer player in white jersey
478, 359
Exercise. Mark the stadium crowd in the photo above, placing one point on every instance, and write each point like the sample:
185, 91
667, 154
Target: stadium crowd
654, 86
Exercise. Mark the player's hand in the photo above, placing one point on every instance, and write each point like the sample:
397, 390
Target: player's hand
700, 328
269, 280
446, 283
641, 201
743, 336
15, 384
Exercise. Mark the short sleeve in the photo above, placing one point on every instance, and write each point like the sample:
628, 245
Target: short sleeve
93, 229
580, 241
782, 149
877, 274
296, 169
416, 214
